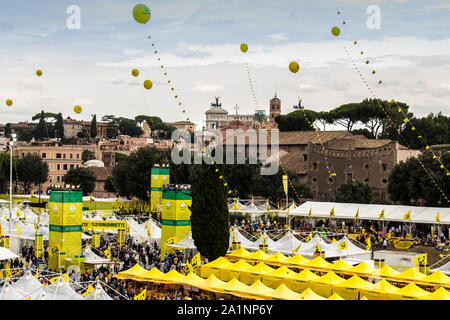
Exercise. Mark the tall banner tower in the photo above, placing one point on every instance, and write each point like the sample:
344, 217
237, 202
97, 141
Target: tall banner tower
160, 175
65, 227
176, 215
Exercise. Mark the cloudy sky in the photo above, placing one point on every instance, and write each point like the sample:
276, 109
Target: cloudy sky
198, 45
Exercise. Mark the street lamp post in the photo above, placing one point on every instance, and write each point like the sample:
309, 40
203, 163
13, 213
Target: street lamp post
11, 145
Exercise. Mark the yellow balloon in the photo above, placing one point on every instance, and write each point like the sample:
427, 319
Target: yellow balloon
244, 47
335, 31
39, 73
9, 102
135, 72
148, 84
141, 13
77, 109
294, 67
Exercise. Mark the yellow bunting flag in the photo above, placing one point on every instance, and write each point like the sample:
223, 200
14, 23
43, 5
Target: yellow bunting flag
1, 231
357, 215
332, 214
421, 259
407, 216
196, 260
141, 296
309, 214
19, 232
18, 212
88, 291
343, 245
296, 249
309, 237
368, 243
334, 240
149, 231
381, 215
438, 218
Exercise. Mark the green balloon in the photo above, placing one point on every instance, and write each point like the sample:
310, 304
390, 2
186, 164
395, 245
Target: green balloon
335, 31
141, 13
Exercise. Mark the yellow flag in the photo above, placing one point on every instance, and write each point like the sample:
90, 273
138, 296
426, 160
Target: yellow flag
187, 268
318, 247
149, 231
17, 212
53, 279
421, 259
368, 243
108, 252
444, 255
196, 260
381, 215
285, 184
296, 249
309, 214
1, 231
343, 245
407, 216
8, 273
18, 230
332, 213
1, 274
141, 296
89, 290
357, 215
334, 240
438, 218
309, 237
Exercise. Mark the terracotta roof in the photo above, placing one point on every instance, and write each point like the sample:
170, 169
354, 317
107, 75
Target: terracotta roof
304, 137
351, 143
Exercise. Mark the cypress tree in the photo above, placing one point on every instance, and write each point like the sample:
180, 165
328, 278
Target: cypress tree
59, 126
94, 126
41, 130
209, 217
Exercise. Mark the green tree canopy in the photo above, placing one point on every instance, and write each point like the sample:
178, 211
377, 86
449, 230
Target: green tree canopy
83, 177
353, 191
31, 169
87, 155
296, 121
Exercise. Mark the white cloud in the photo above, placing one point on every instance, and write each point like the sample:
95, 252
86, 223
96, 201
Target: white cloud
277, 36
203, 87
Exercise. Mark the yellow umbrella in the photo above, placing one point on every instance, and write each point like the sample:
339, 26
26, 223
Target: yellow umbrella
134, 271
309, 294
439, 294
254, 273
234, 270
214, 267
324, 285
350, 288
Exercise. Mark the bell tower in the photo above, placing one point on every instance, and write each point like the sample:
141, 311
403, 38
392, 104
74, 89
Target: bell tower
275, 108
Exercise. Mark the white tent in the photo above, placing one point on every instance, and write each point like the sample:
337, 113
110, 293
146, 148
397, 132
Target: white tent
98, 294
444, 269
255, 245
92, 258
352, 250
186, 243
245, 243
287, 244
61, 290
28, 285
372, 211
6, 254
9, 293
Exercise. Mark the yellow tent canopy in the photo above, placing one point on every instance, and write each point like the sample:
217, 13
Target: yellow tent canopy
309, 294
300, 281
386, 272
296, 260
411, 291
363, 298
233, 287
234, 270
410, 274
214, 267
277, 277
363, 268
134, 271
212, 284
277, 257
254, 273
335, 296
258, 255
437, 278
284, 293
324, 285
193, 280
340, 265
349, 289
259, 289
382, 290
318, 262
149, 275
173, 276
439, 294
239, 253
